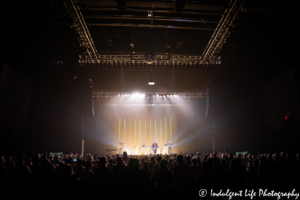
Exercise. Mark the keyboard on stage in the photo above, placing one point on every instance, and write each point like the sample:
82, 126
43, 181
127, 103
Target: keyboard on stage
167, 146
110, 150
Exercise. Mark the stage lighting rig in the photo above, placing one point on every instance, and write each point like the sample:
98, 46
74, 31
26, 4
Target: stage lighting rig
207, 60
80, 26
222, 32
149, 58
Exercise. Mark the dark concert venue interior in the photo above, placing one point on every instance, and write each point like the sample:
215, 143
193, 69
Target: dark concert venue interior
87, 77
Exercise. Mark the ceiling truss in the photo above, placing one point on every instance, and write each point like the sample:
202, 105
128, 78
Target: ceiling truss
209, 58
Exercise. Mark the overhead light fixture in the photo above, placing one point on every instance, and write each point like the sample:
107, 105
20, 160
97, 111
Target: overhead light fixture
151, 82
150, 13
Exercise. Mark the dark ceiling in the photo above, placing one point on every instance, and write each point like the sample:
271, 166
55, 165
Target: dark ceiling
39, 32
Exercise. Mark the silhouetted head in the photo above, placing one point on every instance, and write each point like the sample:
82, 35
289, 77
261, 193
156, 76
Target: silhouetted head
134, 164
283, 155
262, 159
180, 159
79, 162
163, 164
158, 159
216, 160
194, 161
102, 161
145, 165
152, 159
119, 160
88, 165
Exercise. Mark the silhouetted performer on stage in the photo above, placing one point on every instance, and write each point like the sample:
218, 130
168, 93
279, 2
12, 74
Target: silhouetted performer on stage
121, 147
170, 148
154, 147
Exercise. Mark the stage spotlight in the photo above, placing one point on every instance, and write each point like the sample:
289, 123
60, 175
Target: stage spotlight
157, 95
125, 94
151, 83
119, 95
153, 95
122, 95
129, 94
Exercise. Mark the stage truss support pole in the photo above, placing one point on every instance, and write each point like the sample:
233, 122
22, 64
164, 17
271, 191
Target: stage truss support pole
134, 132
166, 134
155, 132
140, 133
160, 139
124, 129
119, 129
170, 129
150, 132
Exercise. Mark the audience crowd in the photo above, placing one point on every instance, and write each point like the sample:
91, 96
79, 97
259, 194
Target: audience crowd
144, 177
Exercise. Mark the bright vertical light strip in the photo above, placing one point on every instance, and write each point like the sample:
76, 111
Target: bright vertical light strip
129, 131
119, 129
124, 129
150, 131
134, 132
155, 132
166, 138
170, 129
145, 134
140, 132
160, 132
